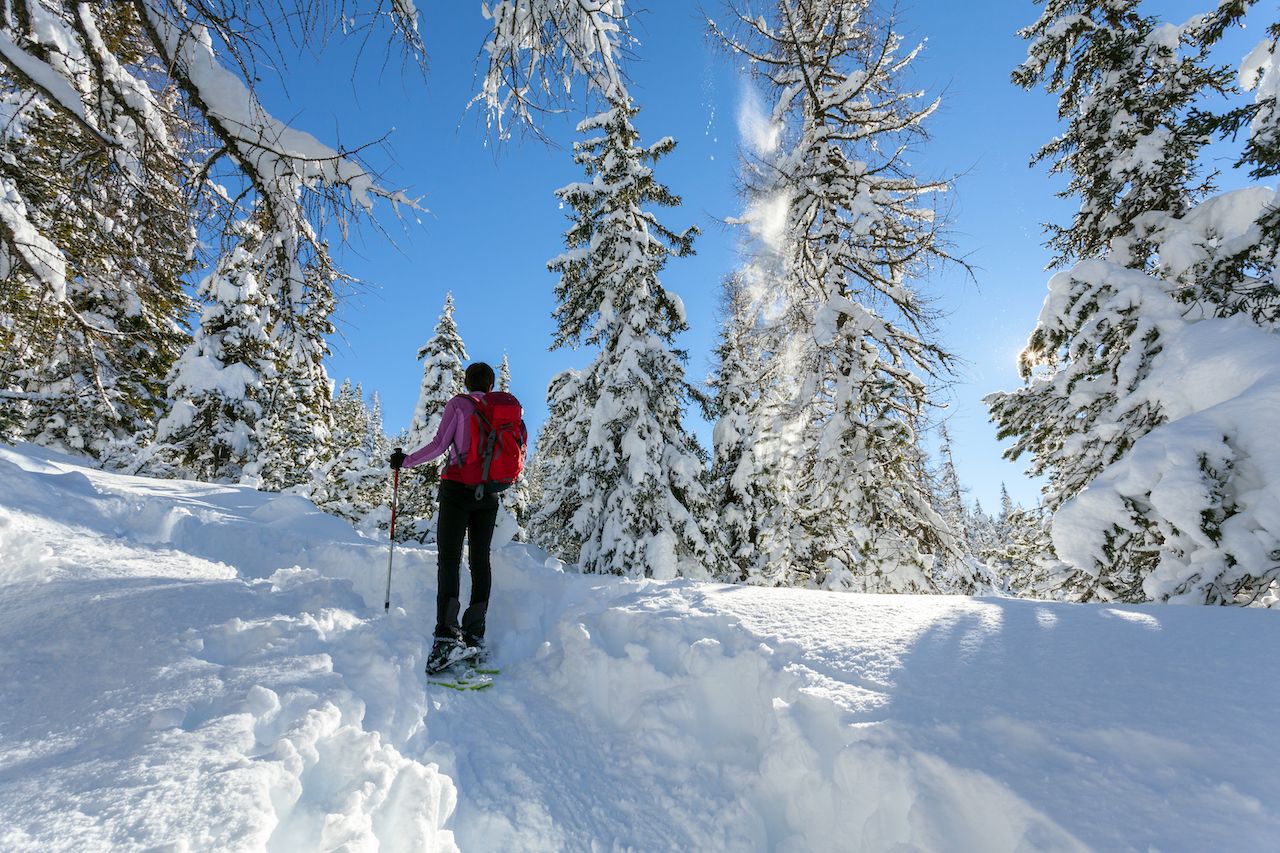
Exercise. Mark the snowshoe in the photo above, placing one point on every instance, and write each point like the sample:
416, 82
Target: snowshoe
448, 653
462, 677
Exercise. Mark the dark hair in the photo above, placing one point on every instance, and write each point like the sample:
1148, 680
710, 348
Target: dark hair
479, 377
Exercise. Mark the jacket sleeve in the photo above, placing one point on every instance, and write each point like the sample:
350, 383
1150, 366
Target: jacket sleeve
444, 436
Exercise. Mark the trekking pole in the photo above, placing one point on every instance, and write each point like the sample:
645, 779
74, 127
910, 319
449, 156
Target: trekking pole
391, 552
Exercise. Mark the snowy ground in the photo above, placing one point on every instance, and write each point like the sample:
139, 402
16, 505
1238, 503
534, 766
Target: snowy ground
189, 666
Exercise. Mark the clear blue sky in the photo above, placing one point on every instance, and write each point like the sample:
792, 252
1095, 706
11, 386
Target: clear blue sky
494, 222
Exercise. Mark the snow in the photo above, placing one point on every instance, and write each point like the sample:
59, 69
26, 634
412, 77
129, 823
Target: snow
1216, 381
204, 666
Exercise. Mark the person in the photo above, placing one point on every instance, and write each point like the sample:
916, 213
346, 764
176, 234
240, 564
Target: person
462, 514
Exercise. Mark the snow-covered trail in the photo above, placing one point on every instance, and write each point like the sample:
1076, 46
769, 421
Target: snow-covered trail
205, 667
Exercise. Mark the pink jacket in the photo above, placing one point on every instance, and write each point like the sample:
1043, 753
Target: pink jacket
454, 433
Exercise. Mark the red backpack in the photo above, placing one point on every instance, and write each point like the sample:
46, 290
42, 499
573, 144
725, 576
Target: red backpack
498, 438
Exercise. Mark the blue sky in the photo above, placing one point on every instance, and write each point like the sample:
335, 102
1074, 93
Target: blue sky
493, 221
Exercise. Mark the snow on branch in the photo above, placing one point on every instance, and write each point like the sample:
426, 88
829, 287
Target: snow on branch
51, 84
290, 169
536, 48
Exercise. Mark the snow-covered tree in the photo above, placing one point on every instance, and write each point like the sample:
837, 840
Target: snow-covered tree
295, 433
443, 358
982, 530
1023, 558
745, 488
642, 489
537, 48
219, 385
504, 374
553, 472
1125, 83
94, 238
851, 340
130, 129
951, 504
953, 571
1153, 479
355, 482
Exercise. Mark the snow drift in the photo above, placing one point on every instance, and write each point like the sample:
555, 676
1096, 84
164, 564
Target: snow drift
208, 667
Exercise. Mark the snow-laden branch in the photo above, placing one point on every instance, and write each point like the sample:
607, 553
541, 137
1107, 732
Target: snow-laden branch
50, 83
536, 49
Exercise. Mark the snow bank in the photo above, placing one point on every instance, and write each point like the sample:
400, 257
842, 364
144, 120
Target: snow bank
167, 684
201, 666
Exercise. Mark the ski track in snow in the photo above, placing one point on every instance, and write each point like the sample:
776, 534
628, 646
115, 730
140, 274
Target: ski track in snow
192, 666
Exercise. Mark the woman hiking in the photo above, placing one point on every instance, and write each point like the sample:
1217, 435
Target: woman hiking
468, 508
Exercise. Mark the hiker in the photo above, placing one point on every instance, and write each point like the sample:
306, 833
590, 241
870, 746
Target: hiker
467, 508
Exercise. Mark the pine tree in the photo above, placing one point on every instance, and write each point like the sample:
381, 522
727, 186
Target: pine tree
746, 486
851, 342
220, 384
1127, 84
553, 470
443, 357
295, 434
643, 492
504, 375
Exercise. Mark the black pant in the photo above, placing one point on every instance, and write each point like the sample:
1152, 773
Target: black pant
461, 514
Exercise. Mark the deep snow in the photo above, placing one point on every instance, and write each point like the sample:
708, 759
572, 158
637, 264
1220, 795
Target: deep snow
194, 666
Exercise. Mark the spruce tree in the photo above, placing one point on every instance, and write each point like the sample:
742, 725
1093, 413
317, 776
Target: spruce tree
643, 494
219, 386
1127, 85
295, 434
443, 357
562, 485
746, 486
852, 341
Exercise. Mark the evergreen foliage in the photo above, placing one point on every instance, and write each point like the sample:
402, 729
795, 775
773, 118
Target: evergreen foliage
849, 339
746, 491
1145, 472
220, 384
641, 483
443, 359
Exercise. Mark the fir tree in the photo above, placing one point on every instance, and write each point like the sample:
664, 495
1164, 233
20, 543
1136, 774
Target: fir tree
643, 495
222, 381
746, 488
443, 357
553, 470
504, 375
